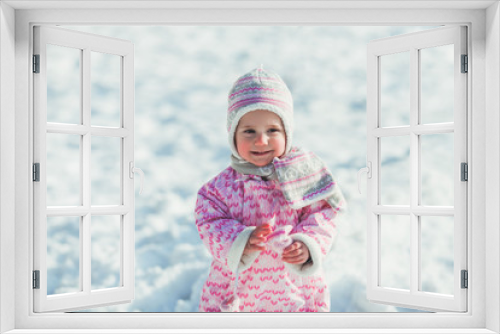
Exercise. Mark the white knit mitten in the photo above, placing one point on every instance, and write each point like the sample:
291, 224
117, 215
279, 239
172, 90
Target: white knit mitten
280, 239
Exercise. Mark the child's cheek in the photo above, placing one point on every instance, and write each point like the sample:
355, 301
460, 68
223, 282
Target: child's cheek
280, 144
242, 146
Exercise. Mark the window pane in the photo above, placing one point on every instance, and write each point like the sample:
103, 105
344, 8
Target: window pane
106, 251
106, 89
395, 252
106, 170
437, 175
437, 84
63, 169
436, 237
395, 89
395, 170
63, 84
63, 255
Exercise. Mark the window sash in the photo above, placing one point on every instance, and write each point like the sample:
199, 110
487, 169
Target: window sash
86, 297
414, 298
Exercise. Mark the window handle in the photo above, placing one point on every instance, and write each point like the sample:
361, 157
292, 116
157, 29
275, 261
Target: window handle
133, 170
367, 170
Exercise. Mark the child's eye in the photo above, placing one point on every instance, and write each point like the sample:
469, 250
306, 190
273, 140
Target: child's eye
274, 130
249, 131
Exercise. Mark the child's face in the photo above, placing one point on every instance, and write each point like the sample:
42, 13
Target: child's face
259, 137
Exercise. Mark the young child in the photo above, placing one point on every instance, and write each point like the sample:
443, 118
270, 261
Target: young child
268, 219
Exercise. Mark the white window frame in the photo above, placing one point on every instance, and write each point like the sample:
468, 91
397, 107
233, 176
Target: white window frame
483, 21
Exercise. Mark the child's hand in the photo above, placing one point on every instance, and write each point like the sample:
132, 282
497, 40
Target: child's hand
296, 253
257, 239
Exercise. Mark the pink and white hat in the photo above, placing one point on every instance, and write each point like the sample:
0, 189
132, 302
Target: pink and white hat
259, 89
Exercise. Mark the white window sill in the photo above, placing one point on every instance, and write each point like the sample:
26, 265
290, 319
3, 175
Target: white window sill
250, 331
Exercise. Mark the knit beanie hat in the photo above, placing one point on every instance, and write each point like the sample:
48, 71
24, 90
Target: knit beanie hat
259, 89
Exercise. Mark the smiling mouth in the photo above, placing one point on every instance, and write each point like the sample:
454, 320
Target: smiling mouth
261, 153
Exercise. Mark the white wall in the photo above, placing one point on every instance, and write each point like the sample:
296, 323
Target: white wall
7, 190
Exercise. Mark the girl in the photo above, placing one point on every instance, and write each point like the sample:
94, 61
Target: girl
268, 219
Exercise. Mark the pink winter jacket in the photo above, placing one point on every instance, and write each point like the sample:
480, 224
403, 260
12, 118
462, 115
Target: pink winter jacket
228, 209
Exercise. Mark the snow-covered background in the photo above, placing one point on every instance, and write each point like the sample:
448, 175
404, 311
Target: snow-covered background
182, 77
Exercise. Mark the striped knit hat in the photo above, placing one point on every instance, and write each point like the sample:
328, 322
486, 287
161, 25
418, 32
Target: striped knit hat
259, 89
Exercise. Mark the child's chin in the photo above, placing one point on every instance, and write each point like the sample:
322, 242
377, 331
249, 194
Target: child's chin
261, 164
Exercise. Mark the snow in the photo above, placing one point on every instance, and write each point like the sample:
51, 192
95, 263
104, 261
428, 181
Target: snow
182, 76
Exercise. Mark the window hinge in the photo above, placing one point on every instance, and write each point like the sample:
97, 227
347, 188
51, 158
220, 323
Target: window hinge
465, 64
465, 279
36, 279
36, 63
36, 172
464, 172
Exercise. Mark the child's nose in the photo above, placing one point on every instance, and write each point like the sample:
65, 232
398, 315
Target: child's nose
261, 139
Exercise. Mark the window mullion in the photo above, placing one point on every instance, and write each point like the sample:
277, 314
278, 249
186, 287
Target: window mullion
446, 211
85, 255
77, 129
414, 172
55, 211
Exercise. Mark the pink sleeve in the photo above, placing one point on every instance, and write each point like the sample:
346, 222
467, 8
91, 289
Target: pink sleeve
318, 222
218, 230
317, 230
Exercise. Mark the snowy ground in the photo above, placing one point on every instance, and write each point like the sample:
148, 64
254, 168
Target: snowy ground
182, 76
